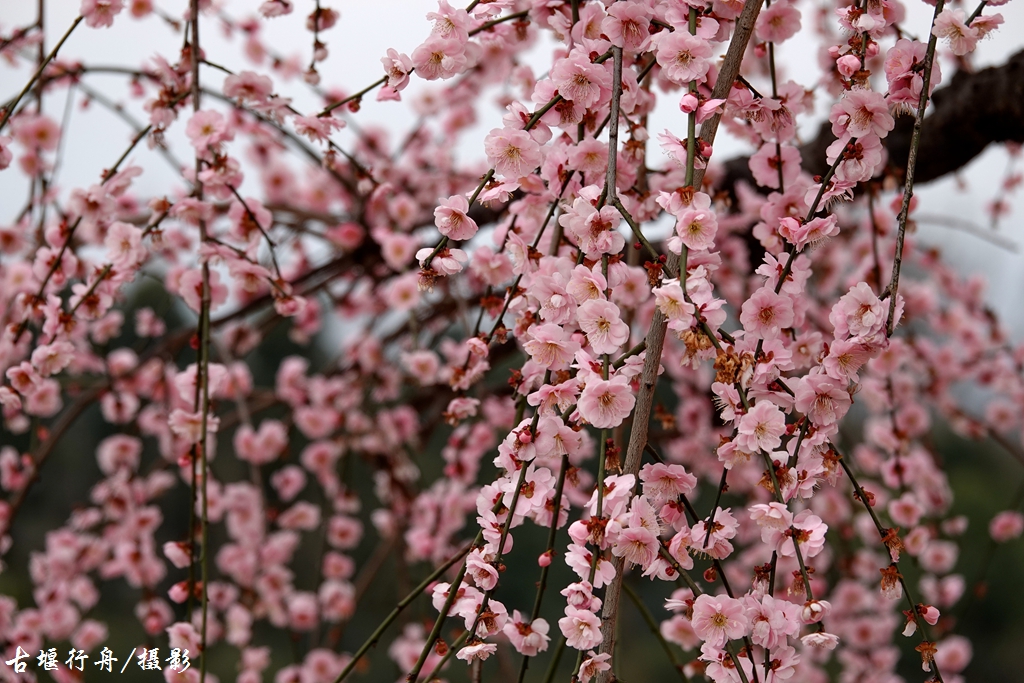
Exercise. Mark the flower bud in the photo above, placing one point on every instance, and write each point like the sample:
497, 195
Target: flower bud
815, 610
848, 65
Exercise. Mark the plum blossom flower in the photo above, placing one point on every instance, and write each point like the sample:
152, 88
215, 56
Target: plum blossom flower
248, 86
551, 346
452, 219
858, 313
636, 545
450, 22
765, 164
188, 425
1006, 526
528, 637
951, 26
397, 66
593, 665
6, 156
580, 81
777, 23
479, 651
672, 303
606, 403
697, 225
100, 13
207, 128
684, 57
594, 230
903, 72
439, 57
820, 640
801, 234
822, 399
512, 153
581, 628
761, 428
317, 128
765, 314
861, 112
773, 518
719, 619
663, 481
628, 26
600, 320
808, 530
771, 620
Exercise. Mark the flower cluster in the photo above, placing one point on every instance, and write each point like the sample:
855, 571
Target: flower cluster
709, 383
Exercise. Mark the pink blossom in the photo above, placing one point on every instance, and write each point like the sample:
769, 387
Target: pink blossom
719, 619
601, 322
809, 533
189, 425
636, 545
606, 403
50, 359
118, 452
248, 86
288, 482
100, 13
765, 163
593, 665
36, 131
439, 57
950, 25
5, 152
479, 651
861, 112
1006, 526
683, 57
551, 346
771, 620
452, 219
765, 314
666, 481
317, 128
450, 22
858, 313
814, 611
481, 572
822, 399
580, 81
761, 428
777, 23
529, 638
671, 302
628, 26
594, 230
697, 224
581, 628
820, 640
207, 128
512, 153
954, 653
902, 70
397, 67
